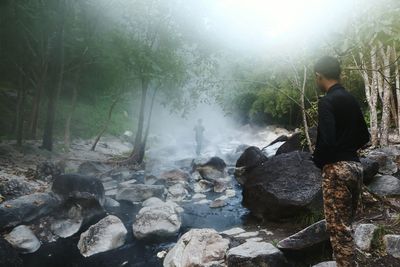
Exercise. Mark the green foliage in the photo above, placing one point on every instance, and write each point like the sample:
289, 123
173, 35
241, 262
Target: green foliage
310, 217
377, 243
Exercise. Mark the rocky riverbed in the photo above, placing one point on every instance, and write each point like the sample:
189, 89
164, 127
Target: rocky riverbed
238, 204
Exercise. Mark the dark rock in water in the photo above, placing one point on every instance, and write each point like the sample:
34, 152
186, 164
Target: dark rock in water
312, 235
251, 158
370, 167
251, 254
79, 187
47, 170
26, 208
8, 255
284, 186
91, 168
296, 143
385, 185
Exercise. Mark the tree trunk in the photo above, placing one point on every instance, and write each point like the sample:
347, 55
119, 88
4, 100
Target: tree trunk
105, 126
38, 96
397, 78
374, 100
135, 156
67, 132
303, 108
20, 112
385, 75
53, 93
146, 134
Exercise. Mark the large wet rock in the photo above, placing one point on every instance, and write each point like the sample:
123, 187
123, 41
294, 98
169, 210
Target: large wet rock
74, 186
363, 236
213, 169
284, 186
198, 247
23, 239
109, 233
312, 235
26, 208
296, 142
385, 185
370, 169
252, 253
157, 219
140, 192
385, 161
9, 255
251, 158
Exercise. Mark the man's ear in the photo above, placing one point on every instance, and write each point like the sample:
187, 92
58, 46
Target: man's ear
318, 76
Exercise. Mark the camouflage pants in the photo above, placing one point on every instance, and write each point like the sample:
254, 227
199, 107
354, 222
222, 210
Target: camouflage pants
341, 187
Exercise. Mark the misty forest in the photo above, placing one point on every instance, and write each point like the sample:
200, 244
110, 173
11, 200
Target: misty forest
180, 133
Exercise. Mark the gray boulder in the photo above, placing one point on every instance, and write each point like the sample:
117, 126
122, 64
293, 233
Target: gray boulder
251, 158
385, 185
326, 264
198, 247
251, 254
23, 239
312, 235
386, 162
27, 208
109, 233
157, 219
363, 236
392, 243
140, 192
286, 185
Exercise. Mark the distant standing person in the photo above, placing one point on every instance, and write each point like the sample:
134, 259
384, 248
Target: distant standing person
199, 130
341, 132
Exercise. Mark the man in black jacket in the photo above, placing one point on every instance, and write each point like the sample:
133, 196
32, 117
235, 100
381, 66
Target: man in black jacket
341, 132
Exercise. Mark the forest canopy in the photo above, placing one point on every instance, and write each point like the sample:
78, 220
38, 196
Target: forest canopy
86, 68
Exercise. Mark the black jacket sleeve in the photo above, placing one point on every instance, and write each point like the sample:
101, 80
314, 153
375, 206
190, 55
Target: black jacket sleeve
325, 147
